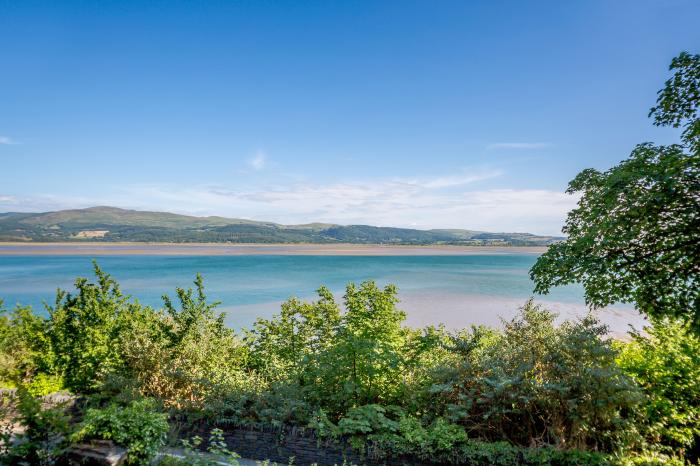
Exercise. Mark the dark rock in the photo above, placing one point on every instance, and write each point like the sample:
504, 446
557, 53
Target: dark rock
96, 453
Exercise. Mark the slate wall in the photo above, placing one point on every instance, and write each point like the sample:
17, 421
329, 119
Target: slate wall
279, 445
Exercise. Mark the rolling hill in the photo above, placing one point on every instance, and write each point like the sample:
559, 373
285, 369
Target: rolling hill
113, 224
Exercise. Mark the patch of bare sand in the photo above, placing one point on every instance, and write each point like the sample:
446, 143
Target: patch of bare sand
215, 249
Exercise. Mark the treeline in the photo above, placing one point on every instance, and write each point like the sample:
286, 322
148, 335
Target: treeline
533, 392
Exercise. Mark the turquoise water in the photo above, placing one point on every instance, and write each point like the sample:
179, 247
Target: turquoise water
456, 290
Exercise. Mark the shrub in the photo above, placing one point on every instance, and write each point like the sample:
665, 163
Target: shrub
287, 346
440, 438
665, 361
24, 345
649, 459
45, 384
542, 384
185, 356
45, 435
217, 452
366, 419
83, 331
137, 427
365, 362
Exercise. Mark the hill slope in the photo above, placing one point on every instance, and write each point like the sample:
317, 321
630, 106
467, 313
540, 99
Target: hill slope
114, 224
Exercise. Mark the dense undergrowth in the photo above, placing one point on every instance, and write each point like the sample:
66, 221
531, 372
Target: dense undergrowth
534, 392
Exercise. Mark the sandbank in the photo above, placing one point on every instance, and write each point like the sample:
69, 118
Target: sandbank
219, 249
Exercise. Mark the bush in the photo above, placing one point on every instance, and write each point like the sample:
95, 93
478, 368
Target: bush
665, 361
24, 346
542, 384
650, 459
84, 330
503, 454
45, 384
217, 452
185, 356
138, 427
45, 435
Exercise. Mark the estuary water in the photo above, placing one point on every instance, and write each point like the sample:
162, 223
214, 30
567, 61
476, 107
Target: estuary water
453, 290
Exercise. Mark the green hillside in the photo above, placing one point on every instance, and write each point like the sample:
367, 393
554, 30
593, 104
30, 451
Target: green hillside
114, 224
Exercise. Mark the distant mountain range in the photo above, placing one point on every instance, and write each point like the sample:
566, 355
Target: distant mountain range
111, 224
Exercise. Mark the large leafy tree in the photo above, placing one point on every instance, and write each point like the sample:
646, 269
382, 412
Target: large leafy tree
635, 234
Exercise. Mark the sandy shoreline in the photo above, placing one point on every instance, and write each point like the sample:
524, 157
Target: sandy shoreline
217, 249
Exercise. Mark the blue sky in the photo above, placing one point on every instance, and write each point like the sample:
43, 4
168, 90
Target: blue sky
421, 114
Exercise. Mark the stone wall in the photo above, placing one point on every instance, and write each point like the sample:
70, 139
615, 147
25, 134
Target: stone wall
279, 445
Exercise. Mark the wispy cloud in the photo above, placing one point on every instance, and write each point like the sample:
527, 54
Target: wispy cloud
4, 140
450, 181
518, 145
440, 201
258, 161
46, 202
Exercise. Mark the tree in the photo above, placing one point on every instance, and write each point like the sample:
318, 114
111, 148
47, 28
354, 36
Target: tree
287, 346
84, 329
365, 364
665, 361
678, 101
635, 234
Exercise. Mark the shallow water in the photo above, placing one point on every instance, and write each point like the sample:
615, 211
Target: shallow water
454, 290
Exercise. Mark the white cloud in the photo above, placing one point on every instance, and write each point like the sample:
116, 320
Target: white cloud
454, 180
258, 161
47, 202
4, 140
450, 201
437, 202
518, 145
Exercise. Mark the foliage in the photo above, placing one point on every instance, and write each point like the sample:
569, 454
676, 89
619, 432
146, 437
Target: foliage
677, 104
556, 393
439, 439
366, 419
444, 442
44, 437
44, 384
24, 346
217, 452
365, 362
634, 234
83, 331
138, 427
289, 343
505, 454
649, 459
319, 358
665, 361
186, 355
542, 384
